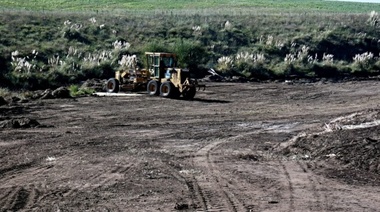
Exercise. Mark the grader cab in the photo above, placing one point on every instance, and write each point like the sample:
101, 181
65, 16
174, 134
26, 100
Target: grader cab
160, 78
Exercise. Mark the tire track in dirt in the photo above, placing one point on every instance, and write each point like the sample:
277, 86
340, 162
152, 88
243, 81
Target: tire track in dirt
199, 193
18, 198
235, 203
34, 194
238, 184
99, 179
303, 188
5, 195
210, 187
289, 185
195, 195
27, 197
19, 190
316, 186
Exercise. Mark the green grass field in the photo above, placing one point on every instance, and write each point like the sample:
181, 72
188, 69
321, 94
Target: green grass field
48, 43
100, 5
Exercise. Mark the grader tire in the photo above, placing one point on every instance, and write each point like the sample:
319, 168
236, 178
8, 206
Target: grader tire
153, 88
190, 93
112, 85
168, 90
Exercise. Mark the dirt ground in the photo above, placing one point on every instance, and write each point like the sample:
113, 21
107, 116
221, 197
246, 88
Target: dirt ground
235, 147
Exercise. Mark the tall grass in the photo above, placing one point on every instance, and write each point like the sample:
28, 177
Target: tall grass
51, 48
122, 5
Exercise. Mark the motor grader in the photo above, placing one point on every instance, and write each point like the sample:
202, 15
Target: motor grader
160, 78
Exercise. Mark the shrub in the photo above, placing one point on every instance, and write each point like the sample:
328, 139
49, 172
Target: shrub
363, 63
225, 64
76, 91
374, 19
190, 54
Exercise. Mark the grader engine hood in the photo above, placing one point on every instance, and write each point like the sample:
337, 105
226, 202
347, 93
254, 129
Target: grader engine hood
177, 75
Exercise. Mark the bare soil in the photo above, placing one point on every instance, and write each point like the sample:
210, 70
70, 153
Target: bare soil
235, 147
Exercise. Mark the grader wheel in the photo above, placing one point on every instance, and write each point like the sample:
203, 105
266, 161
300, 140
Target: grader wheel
113, 85
189, 93
153, 88
167, 89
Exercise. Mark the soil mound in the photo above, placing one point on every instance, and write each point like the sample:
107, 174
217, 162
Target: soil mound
61, 92
19, 123
352, 141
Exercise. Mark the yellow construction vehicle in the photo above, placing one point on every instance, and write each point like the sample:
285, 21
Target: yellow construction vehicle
161, 77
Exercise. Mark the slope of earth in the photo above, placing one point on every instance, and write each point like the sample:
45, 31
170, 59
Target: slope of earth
233, 148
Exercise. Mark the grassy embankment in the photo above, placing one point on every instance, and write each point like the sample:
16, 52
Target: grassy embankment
108, 5
52, 43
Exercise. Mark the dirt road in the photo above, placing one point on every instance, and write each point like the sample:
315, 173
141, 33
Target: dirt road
236, 147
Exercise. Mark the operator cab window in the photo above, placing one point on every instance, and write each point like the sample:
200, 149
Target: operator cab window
168, 62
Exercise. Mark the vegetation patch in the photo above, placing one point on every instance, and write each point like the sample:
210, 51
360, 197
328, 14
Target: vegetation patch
287, 39
122, 5
77, 91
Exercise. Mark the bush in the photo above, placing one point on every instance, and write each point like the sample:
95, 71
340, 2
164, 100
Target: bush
190, 54
77, 91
